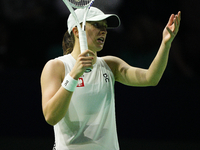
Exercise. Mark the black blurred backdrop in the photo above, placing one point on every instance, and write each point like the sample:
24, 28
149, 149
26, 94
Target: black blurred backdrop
161, 117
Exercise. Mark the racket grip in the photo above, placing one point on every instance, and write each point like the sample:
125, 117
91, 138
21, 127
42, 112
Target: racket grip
83, 45
83, 41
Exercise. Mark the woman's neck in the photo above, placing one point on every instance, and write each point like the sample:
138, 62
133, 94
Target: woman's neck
76, 52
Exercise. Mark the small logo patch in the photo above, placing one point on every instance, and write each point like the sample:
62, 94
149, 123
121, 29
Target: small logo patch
80, 82
66, 83
106, 77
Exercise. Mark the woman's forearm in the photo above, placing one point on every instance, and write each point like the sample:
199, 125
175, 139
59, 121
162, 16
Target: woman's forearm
56, 108
159, 64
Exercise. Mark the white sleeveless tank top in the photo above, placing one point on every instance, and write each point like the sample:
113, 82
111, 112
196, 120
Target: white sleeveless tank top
89, 123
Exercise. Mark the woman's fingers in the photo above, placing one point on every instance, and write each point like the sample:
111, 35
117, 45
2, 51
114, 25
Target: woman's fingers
87, 53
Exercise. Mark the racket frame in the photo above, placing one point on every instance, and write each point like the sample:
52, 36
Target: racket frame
82, 33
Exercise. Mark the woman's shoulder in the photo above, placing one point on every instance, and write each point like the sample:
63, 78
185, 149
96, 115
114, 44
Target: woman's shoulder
53, 66
54, 63
58, 62
112, 61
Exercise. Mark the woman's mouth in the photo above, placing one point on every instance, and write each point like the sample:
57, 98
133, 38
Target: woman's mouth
101, 40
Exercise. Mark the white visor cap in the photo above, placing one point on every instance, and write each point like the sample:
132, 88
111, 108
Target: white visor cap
94, 14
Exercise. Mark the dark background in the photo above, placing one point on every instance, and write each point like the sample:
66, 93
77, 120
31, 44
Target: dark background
148, 118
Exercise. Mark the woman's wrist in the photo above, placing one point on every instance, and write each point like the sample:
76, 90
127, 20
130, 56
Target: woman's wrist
166, 44
69, 83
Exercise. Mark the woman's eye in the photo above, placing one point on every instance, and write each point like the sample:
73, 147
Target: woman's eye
96, 25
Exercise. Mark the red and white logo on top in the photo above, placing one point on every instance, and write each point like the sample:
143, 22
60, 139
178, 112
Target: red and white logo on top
80, 82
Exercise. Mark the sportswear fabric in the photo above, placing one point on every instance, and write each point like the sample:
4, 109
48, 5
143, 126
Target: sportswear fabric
89, 123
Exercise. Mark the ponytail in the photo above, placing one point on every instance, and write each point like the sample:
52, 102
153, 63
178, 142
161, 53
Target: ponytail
68, 43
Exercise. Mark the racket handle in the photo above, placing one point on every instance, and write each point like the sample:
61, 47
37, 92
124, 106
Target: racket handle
83, 41
83, 45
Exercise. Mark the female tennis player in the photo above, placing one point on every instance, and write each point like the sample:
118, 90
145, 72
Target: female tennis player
81, 106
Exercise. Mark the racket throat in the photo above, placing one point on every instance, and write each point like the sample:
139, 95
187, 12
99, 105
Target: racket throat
84, 19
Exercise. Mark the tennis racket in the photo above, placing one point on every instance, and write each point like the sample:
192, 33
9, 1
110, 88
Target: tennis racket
84, 4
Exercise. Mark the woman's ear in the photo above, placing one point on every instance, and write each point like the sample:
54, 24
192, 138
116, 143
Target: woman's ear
75, 31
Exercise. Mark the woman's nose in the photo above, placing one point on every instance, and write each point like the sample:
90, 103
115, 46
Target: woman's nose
103, 31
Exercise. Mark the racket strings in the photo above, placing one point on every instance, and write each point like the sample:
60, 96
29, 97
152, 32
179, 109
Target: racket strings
80, 3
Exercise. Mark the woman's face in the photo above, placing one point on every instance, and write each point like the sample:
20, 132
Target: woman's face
96, 34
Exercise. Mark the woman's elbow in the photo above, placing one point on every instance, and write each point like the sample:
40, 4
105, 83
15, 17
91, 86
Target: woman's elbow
154, 83
50, 120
